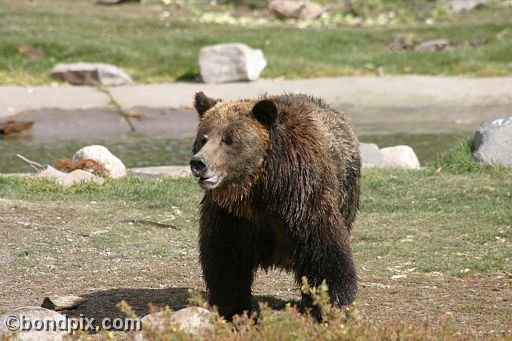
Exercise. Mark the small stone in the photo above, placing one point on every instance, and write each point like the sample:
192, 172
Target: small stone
400, 157
113, 2
292, 9
433, 45
91, 74
34, 324
193, 320
100, 154
465, 5
230, 62
62, 302
493, 142
161, 171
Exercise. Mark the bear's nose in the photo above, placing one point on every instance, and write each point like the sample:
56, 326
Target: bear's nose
198, 166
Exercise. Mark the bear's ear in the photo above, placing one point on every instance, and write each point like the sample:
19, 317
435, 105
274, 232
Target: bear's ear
202, 103
265, 112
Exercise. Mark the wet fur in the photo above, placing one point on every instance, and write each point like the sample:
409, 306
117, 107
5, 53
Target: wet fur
295, 212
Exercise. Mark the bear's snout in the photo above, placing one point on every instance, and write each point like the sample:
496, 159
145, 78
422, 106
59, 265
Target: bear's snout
198, 166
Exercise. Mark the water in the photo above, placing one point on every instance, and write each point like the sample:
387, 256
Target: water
133, 151
140, 151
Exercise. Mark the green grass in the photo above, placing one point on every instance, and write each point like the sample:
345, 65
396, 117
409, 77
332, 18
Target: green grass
421, 217
152, 49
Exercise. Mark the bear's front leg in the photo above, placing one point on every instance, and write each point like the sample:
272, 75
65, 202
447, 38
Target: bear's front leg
226, 260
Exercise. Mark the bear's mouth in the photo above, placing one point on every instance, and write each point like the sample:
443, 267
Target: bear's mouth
209, 182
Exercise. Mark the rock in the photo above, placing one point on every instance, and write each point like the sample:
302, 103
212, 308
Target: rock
10, 127
62, 302
193, 320
69, 179
34, 324
77, 177
400, 157
230, 62
160, 171
371, 155
100, 154
433, 45
291, 9
493, 142
113, 2
465, 5
91, 74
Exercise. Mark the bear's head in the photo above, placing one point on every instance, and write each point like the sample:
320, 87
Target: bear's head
232, 143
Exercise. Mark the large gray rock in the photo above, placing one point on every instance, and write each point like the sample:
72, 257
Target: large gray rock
91, 74
114, 166
293, 9
493, 142
193, 320
465, 5
230, 62
34, 324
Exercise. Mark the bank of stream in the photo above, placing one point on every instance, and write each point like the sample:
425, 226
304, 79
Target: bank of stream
142, 151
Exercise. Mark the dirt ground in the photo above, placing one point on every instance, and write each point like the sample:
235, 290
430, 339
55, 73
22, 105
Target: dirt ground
53, 249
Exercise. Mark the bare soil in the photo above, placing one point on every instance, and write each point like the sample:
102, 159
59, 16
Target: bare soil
51, 248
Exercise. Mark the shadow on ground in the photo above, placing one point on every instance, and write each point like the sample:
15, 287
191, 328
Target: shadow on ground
103, 304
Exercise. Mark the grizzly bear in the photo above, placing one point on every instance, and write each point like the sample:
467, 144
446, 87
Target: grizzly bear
281, 176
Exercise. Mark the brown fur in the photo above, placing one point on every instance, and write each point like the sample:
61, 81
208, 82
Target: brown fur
86, 164
287, 196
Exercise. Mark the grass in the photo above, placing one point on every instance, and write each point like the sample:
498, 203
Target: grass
432, 249
156, 49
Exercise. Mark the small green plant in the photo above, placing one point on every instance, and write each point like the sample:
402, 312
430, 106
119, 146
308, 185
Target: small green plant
460, 160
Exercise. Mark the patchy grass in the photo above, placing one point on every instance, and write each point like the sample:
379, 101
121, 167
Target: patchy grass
432, 250
153, 48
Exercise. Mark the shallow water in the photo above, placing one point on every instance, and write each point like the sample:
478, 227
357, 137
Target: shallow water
141, 151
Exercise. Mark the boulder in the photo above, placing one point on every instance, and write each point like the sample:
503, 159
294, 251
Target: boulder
465, 5
91, 74
371, 155
493, 142
34, 324
400, 157
193, 320
292, 9
100, 154
230, 62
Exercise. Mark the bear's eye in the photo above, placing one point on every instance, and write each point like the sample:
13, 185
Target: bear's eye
227, 139
203, 140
